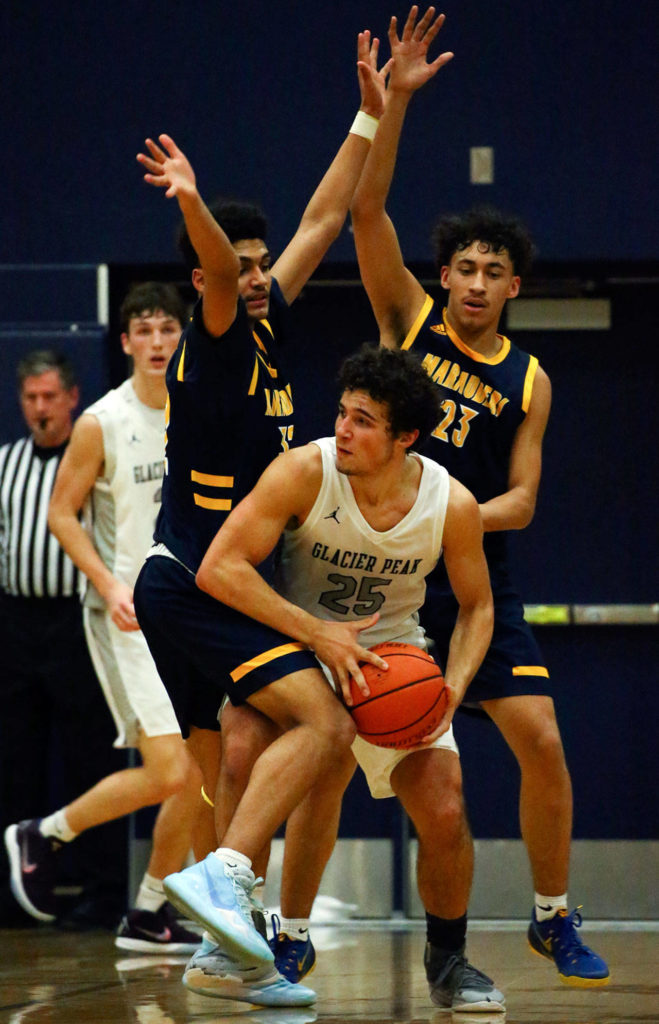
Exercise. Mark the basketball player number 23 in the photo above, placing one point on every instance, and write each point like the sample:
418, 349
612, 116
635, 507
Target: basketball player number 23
367, 601
460, 431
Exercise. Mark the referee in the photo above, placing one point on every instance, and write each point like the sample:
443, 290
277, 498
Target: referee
55, 732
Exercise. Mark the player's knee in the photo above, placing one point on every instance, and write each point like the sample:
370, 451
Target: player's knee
544, 752
340, 734
170, 775
240, 751
173, 780
444, 818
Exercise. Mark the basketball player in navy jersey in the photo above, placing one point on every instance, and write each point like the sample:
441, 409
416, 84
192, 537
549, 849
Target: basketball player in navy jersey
230, 411
495, 402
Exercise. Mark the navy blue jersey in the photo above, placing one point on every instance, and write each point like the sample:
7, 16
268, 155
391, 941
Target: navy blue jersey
484, 401
229, 413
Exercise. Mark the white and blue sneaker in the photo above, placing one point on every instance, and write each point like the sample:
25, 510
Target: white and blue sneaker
217, 894
211, 972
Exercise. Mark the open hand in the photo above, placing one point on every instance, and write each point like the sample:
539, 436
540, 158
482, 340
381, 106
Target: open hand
372, 83
168, 167
410, 69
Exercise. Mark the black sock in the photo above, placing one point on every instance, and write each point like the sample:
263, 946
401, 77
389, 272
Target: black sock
448, 934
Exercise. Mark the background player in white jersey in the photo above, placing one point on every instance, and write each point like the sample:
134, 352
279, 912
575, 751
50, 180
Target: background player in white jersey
366, 491
495, 403
113, 468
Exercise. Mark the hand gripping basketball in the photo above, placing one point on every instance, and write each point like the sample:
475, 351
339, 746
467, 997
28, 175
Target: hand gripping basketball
407, 701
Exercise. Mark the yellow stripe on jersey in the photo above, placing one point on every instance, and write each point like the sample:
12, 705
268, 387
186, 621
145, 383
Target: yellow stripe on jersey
530, 670
272, 370
259, 342
528, 383
255, 375
180, 369
264, 659
416, 326
476, 356
267, 327
210, 479
215, 504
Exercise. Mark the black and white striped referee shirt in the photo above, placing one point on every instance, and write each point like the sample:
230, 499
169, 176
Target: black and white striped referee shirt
32, 563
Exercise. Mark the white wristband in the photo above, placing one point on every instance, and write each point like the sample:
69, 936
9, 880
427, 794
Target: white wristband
365, 125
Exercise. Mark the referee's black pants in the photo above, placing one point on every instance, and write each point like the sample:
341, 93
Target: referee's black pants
56, 736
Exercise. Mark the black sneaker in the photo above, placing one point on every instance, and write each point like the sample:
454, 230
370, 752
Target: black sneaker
146, 931
32, 864
457, 985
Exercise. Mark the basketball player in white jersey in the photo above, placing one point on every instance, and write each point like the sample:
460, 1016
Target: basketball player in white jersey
364, 520
113, 471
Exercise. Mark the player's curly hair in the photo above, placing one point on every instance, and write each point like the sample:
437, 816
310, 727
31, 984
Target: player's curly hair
237, 219
396, 377
497, 230
149, 297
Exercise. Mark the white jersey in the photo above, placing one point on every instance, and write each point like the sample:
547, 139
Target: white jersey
337, 567
122, 507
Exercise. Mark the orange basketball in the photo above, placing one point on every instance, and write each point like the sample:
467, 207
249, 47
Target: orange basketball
407, 700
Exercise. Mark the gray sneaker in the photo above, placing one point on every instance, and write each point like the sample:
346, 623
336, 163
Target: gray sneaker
455, 984
211, 972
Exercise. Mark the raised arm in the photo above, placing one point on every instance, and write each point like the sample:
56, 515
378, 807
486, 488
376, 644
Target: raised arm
514, 509
168, 167
284, 494
81, 465
327, 209
395, 295
470, 582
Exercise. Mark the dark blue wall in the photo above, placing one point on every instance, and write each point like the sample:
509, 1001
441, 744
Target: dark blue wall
260, 95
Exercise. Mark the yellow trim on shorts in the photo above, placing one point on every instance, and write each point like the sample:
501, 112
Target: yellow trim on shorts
530, 670
217, 504
205, 797
263, 659
211, 479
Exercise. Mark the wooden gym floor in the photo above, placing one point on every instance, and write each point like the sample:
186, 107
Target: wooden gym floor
366, 971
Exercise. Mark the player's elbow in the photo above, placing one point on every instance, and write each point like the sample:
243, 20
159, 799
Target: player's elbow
213, 578
55, 520
526, 513
487, 618
322, 231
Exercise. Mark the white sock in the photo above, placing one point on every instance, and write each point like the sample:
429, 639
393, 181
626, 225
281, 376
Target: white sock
232, 857
151, 894
297, 928
56, 826
547, 906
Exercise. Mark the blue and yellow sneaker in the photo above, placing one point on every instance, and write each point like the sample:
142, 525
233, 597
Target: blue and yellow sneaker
557, 940
294, 958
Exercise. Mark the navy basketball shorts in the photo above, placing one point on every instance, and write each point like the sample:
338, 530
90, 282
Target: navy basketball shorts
205, 650
513, 665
